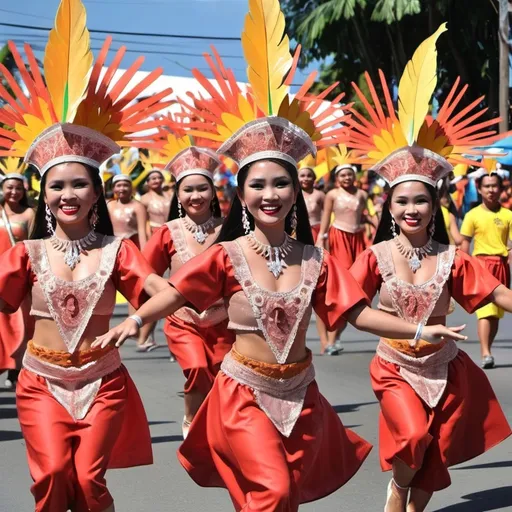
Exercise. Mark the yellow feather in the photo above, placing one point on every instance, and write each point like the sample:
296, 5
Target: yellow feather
267, 52
417, 86
68, 59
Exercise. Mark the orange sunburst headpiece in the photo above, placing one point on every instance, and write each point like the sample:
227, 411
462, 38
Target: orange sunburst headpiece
413, 146
264, 122
79, 115
341, 158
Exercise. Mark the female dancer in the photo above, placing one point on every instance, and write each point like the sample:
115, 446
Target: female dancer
437, 407
314, 198
198, 342
156, 201
129, 217
79, 410
15, 225
264, 431
345, 238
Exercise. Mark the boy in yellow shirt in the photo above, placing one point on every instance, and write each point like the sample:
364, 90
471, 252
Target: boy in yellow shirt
490, 225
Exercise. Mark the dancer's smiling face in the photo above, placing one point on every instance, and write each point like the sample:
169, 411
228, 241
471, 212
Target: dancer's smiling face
411, 206
307, 178
13, 190
268, 192
69, 192
195, 193
123, 190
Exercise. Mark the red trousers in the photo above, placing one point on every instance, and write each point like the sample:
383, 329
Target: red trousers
314, 231
346, 247
67, 458
233, 444
466, 422
198, 350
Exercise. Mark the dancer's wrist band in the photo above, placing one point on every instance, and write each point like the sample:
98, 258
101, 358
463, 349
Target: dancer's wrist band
419, 332
325, 236
137, 319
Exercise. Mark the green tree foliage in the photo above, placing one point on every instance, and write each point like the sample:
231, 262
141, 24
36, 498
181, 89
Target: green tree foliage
354, 36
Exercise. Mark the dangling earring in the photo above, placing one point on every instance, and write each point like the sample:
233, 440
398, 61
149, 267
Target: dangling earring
293, 220
180, 210
49, 220
93, 221
245, 221
432, 229
393, 227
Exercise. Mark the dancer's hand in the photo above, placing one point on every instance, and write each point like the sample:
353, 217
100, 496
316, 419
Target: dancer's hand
118, 335
438, 333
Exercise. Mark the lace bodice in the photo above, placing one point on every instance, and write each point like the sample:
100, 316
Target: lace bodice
348, 210
70, 303
414, 303
278, 315
213, 315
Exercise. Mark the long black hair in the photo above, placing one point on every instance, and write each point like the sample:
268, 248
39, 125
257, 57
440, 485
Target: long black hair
174, 211
232, 227
24, 200
104, 225
384, 229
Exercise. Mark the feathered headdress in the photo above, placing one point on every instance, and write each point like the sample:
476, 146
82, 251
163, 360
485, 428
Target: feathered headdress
79, 114
123, 164
264, 122
412, 145
487, 167
340, 157
13, 168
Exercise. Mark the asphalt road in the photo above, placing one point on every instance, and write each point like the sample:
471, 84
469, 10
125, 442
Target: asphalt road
483, 484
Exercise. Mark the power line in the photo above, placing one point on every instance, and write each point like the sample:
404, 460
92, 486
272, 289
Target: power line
26, 14
37, 46
118, 32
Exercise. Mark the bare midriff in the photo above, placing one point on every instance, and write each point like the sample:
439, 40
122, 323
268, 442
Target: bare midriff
421, 348
47, 334
348, 210
254, 346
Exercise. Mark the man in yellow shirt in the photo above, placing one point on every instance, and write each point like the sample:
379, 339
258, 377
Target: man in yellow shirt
490, 226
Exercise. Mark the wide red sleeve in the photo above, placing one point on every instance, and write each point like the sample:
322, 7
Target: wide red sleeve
159, 250
15, 277
365, 271
130, 273
471, 284
205, 279
336, 292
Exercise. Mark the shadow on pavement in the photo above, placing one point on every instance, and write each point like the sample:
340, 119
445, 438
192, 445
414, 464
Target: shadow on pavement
341, 409
10, 435
160, 422
166, 439
497, 464
7, 400
8, 413
482, 501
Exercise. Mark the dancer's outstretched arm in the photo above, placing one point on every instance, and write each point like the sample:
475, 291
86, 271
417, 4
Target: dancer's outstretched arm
162, 304
383, 324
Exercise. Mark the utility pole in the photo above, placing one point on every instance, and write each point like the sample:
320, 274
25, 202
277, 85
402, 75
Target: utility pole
504, 28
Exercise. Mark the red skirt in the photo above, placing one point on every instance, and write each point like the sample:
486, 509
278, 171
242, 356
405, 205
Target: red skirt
67, 458
233, 444
314, 231
198, 350
467, 422
346, 247
15, 331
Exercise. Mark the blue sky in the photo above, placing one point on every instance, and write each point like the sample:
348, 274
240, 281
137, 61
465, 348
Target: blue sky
222, 18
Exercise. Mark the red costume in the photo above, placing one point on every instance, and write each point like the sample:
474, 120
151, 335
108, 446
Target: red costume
265, 432
198, 342
438, 408
74, 406
16, 328
346, 235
